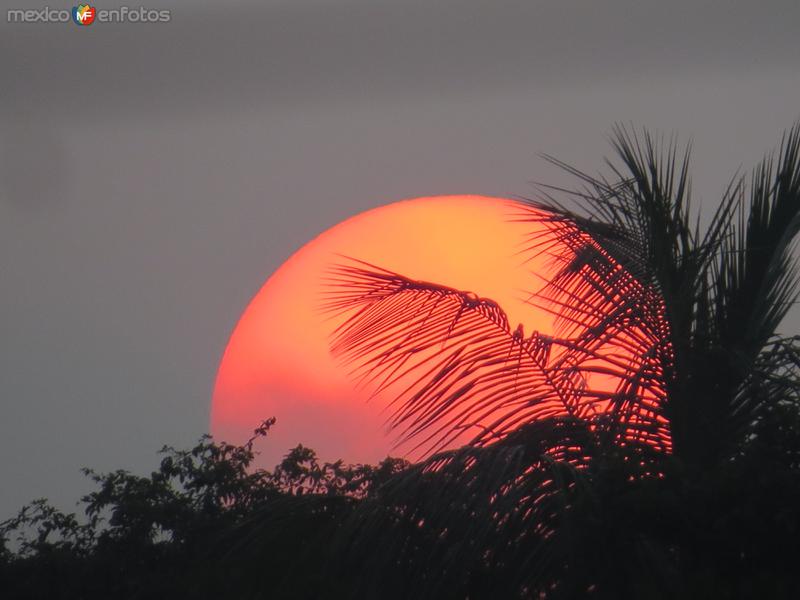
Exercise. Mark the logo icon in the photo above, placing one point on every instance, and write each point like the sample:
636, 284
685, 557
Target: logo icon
83, 14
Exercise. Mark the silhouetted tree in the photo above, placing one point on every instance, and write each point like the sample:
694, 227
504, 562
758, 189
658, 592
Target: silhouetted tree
178, 532
649, 450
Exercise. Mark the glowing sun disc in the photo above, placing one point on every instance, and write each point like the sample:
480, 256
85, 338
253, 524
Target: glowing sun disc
278, 363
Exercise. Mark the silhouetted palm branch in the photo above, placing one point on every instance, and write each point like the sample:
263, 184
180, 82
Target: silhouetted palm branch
721, 294
501, 499
453, 361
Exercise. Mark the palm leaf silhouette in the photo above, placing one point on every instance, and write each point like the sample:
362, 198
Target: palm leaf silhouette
459, 362
454, 354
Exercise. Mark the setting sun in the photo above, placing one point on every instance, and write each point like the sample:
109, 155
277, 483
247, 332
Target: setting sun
278, 360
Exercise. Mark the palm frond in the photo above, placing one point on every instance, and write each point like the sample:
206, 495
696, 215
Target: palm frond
712, 299
449, 357
772, 387
446, 523
756, 281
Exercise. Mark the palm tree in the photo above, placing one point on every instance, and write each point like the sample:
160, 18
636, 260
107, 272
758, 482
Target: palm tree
650, 449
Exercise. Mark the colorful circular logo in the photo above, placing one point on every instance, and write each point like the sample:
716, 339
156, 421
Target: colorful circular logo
83, 14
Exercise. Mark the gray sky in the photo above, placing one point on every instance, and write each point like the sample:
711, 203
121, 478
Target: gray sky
153, 176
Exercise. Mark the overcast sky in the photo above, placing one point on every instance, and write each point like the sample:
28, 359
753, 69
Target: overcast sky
153, 176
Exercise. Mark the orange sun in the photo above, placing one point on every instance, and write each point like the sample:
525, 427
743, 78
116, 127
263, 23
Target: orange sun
278, 362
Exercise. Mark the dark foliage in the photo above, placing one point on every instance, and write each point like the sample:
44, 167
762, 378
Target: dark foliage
179, 532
